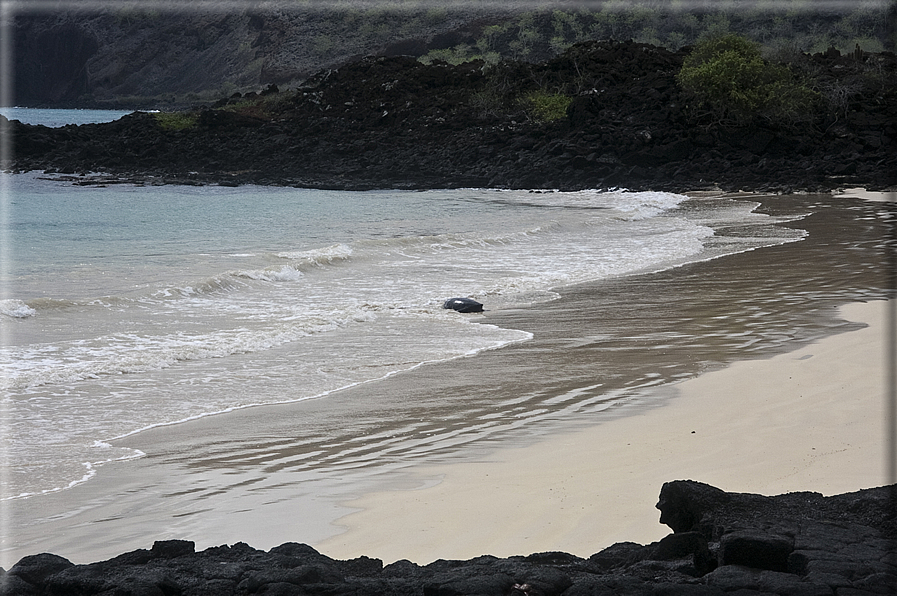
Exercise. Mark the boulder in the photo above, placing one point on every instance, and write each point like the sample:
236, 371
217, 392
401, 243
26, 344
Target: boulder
684, 503
753, 549
35, 569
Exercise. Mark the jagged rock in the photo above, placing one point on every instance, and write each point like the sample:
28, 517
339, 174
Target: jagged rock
798, 544
684, 503
35, 569
479, 584
617, 555
760, 551
686, 545
736, 577
169, 549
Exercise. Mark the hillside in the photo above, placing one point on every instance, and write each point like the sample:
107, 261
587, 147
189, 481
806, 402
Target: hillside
153, 58
603, 114
171, 55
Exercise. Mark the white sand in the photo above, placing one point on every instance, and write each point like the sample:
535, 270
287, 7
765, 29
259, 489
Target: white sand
868, 195
814, 419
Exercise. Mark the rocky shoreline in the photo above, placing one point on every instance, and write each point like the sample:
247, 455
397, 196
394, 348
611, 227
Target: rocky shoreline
393, 122
722, 543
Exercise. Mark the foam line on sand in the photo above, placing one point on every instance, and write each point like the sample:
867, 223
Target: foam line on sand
813, 419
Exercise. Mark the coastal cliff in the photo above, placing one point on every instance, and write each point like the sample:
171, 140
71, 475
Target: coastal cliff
128, 56
601, 115
722, 543
161, 55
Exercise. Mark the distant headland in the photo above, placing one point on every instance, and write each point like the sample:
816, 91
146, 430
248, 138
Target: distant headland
603, 114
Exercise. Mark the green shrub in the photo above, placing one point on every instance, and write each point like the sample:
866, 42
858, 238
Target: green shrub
176, 120
454, 56
542, 106
487, 102
730, 77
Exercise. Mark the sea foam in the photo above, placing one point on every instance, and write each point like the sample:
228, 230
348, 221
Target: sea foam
16, 309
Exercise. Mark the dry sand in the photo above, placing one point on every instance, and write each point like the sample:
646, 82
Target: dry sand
814, 419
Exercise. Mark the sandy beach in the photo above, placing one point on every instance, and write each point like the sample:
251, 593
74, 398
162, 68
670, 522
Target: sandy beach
746, 372
809, 420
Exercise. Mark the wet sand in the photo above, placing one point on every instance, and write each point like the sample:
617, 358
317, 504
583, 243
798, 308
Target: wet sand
602, 355
810, 420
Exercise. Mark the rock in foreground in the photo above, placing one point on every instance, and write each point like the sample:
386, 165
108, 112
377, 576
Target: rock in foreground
745, 544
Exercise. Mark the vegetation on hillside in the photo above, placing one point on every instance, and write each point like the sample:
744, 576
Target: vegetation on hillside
176, 120
158, 57
780, 28
728, 76
542, 106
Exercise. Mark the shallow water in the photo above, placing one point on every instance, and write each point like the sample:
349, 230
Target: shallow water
126, 309
598, 351
130, 307
267, 475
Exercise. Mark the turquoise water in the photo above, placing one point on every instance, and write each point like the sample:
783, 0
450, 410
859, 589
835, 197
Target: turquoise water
127, 307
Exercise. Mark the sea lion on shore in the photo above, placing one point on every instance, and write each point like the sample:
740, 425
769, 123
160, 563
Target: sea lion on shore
463, 305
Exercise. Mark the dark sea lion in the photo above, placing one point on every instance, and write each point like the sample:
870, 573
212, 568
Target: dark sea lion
463, 305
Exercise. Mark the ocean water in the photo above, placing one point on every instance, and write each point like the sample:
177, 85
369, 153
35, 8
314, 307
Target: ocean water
57, 118
127, 307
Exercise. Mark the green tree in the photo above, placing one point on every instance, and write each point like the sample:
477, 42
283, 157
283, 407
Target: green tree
728, 75
715, 25
488, 41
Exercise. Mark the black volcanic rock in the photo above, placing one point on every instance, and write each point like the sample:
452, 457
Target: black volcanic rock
393, 122
800, 544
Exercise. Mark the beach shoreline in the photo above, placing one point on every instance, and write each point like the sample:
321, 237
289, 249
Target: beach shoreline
234, 477
808, 420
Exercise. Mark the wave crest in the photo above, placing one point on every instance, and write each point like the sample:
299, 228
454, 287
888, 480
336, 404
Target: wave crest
16, 309
329, 255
